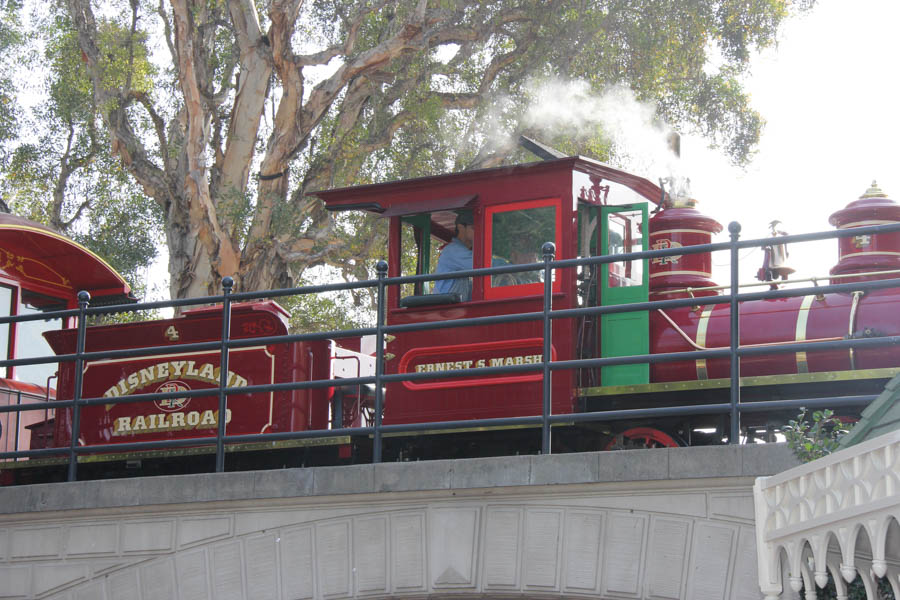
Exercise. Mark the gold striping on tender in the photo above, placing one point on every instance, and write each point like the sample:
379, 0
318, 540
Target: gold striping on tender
802, 322
702, 325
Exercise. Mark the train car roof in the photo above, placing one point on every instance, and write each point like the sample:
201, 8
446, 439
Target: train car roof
381, 198
46, 261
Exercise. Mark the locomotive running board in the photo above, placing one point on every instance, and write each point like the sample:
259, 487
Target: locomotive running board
760, 380
393, 434
176, 452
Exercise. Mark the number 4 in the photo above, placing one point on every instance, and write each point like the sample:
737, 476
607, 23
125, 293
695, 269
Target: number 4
171, 333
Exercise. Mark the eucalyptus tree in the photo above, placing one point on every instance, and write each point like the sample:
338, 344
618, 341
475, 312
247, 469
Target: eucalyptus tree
227, 113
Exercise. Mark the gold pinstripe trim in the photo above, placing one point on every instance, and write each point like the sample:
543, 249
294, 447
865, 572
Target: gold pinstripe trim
758, 380
680, 231
16, 262
854, 307
883, 253
265, 349
869, 222
800, 336
702, 325
681, 273
197, 451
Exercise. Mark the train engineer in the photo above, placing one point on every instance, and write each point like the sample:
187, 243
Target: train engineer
457, 256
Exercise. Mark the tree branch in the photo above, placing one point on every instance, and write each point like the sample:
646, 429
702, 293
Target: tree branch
124, 143
352, 25
250, 98
204, 222
167, 28
158, 125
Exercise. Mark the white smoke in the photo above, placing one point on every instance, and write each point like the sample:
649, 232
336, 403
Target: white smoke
573, 110
637, 134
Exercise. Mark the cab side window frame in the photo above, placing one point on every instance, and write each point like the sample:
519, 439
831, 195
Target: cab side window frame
499, 287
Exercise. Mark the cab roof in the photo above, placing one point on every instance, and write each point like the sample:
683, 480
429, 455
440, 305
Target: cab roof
423, 194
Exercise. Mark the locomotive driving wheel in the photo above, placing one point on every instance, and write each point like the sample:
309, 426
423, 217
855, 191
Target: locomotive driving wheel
642, 437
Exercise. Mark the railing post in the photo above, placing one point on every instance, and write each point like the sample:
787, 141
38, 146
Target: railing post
381, 269
84, 299
549, 251
734, 437
227, 285
18, 423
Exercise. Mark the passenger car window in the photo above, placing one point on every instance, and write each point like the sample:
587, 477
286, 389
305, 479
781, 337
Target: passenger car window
30, 342
6, 297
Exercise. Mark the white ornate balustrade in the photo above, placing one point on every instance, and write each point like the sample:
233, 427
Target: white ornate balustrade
839, 515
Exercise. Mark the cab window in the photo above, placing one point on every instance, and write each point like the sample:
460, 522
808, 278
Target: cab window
412, 256
624, 238
421, 238
515, 234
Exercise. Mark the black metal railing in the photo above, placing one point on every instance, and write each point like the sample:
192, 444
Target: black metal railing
734, 408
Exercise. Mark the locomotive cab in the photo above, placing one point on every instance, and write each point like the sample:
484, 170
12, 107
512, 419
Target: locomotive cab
514, 211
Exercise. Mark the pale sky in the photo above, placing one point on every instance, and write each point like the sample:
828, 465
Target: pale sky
829, 94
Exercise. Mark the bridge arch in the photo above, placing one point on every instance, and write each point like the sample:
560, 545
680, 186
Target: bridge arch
604, 525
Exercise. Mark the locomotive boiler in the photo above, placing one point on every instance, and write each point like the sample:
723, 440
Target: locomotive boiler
585, 208
784, 321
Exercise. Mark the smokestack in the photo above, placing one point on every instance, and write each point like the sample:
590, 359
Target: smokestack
540, 150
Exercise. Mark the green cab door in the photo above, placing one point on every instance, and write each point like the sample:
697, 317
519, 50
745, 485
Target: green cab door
623, 230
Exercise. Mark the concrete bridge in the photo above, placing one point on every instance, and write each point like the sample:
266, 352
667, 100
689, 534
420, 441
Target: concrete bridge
657, 524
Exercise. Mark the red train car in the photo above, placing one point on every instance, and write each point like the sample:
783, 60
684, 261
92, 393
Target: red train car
196, 416
40, 271
44, 271
585, 208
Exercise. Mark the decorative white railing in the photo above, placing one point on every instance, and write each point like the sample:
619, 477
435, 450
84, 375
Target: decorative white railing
839, 515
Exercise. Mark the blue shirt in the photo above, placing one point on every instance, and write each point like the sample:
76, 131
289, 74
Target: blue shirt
454, 257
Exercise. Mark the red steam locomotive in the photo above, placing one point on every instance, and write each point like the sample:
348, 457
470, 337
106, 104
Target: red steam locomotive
584, 207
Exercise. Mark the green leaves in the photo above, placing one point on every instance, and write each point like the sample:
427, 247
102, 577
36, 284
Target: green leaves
123, 57
69, 87
815, 436
11, 41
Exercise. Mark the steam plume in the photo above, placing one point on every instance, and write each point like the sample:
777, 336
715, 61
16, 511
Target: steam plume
573, 110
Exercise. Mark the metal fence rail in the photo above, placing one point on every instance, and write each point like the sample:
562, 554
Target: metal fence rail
734, 408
